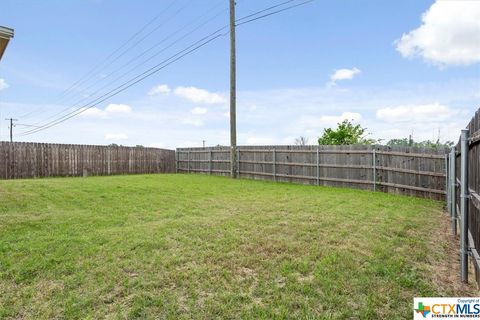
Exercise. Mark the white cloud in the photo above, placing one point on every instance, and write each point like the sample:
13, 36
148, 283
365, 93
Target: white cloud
193, 122
415, 113
316, 123
199, 110
449, 34
160, 89
312, 125
111, 109
333, 120
259, 140
93, 112
199, 95
280, 116
116, 136
118, 108
343, 74
3, 84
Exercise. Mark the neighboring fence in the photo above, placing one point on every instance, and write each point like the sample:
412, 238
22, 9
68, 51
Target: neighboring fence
34, 160
404, 170
463, 195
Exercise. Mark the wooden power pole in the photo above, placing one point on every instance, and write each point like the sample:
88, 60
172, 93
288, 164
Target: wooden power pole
11, 127
233, 94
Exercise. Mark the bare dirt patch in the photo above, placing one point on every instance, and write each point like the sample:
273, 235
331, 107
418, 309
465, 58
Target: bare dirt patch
445, 273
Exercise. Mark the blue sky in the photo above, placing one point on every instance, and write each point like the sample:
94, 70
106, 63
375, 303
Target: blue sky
376, 62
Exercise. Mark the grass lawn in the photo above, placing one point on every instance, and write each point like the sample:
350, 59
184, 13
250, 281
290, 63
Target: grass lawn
191, 246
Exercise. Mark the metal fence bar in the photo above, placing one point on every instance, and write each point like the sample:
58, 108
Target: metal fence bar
453, 190
447, 184
176, 161
464, 196
210, 162
238, 161
374, 166
318, 165
274, 165
188, 161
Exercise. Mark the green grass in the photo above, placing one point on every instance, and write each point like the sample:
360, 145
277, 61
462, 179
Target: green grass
187, 246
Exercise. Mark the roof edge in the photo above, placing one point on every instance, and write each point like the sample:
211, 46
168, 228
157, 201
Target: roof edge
6, 33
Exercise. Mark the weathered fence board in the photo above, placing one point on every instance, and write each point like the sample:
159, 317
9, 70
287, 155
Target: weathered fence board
403, 170
34, 160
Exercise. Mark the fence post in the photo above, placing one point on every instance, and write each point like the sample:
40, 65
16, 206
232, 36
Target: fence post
238, 162
318, 165
210, 162
453, 190
464, 196
188, 161
274, 166
176, 161
447, 184
374, 160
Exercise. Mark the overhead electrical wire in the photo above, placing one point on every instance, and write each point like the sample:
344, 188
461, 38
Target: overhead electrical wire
266, 9
160, 42
141, 63
153, 70
274, 12
179, 55
26, 125
127, 85
105, 62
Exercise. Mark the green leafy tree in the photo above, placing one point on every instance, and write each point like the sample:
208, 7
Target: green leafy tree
346, 133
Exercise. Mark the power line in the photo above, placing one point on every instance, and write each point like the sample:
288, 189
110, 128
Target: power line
126, 85
137, 57
194, 47
141, 63
146, 74
159, 43
264, 10
94, 69
164, 61
274, 12
151, 57
27, 125
105, 63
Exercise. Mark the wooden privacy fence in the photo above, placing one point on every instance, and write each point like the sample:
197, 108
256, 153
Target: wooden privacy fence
404, 170
33, 160
463, 195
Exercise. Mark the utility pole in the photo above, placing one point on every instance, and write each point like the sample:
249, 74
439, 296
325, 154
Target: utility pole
11, 127
233, 95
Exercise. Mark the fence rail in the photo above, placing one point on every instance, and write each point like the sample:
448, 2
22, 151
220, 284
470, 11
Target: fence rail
34, 160
463, 195
405, 170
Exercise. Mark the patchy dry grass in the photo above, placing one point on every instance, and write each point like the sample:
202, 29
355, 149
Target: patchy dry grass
185, 246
